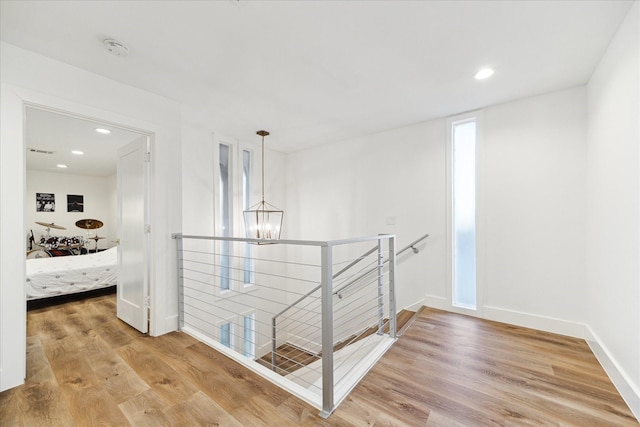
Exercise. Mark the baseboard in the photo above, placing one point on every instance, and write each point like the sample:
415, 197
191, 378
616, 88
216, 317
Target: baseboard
436, 302
533, 321
620, 380
168, 324
413, 307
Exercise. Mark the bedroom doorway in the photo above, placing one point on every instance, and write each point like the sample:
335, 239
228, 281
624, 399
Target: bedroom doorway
73, 162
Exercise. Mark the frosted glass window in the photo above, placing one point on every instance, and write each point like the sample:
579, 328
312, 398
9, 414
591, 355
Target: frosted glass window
225, 334
225, 216
464, 214
249, 336
246, 194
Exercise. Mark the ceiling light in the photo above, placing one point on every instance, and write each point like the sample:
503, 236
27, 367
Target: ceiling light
62, 166
115, 47
77, 152
485, 73
103, 131
262, 220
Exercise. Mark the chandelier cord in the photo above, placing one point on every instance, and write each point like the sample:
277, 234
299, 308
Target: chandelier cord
262, 170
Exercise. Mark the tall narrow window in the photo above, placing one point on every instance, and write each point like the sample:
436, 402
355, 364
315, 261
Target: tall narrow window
225, 216
249, 335
464, 213
226, 334
246, 194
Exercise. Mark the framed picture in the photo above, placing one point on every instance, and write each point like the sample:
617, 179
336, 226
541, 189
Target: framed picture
75, 203
45, 202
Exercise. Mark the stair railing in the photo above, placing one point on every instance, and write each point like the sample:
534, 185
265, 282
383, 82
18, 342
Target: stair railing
377, 267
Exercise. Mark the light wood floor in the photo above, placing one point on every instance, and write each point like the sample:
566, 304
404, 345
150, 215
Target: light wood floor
84, 367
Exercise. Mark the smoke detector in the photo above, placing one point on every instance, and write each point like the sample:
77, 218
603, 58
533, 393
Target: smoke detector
115, 47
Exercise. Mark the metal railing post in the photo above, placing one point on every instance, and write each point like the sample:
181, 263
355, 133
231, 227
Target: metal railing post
274, 346
380, 288
180, 270
327, 331
392, 287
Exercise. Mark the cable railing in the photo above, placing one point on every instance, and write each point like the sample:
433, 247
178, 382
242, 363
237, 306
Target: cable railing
276, 310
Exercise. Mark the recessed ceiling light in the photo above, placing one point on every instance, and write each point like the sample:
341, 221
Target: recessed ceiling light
62, 166
104, 131
485, 73
77, 152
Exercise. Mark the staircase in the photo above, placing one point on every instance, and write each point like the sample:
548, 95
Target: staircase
290, 358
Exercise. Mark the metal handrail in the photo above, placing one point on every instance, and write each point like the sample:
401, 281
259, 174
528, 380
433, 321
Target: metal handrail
366, 273
357, 260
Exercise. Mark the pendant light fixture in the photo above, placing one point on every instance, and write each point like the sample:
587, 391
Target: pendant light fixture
262, 220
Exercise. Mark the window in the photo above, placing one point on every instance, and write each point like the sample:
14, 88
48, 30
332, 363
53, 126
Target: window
246, 195
225, 215
226, 334
249, 335
463, 155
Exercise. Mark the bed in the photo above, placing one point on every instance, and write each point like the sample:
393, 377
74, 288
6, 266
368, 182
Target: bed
49, 277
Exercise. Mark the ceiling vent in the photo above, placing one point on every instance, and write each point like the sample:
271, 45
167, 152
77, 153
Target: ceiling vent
35, 150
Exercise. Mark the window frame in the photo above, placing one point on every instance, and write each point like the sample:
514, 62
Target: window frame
476, 116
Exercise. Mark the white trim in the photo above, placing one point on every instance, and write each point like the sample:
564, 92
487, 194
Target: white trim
415, 306
534, 321
232, 165
436, 302
241, 250
477, 117
618, 376
13, 311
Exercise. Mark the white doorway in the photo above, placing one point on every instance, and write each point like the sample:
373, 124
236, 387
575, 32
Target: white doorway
51, 138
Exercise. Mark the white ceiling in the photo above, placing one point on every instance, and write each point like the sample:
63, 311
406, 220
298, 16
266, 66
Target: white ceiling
48, 131
312, 72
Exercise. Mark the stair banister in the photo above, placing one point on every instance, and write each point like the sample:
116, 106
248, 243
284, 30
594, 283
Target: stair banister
337, 292
373, 269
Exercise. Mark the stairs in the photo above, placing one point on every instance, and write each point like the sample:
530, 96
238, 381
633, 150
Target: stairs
290, 358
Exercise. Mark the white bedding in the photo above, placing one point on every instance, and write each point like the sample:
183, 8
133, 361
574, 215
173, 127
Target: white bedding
47, 277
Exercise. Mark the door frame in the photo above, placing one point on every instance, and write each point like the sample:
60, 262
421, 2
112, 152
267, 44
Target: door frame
13, 306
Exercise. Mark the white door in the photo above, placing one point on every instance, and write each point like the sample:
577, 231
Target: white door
133, 232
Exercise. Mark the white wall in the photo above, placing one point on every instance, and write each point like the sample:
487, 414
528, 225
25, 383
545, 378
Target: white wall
31, 78
613, 279
351, 188
531, 211
98, 204
531, 201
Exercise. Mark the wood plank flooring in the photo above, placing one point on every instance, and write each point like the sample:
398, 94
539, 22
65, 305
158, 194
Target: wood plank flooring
85, 367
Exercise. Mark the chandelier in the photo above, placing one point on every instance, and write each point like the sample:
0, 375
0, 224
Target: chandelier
263, 220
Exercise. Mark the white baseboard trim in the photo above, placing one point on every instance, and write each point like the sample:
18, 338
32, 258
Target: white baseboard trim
626, 388
413, 307
166, 325
533, 321
436, 302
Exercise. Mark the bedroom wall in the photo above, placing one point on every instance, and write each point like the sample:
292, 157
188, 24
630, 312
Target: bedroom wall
531, 201
98, 204
613, 279
33, 78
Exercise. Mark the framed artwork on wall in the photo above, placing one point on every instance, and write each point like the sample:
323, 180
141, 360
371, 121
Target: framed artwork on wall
45, 202
75, 203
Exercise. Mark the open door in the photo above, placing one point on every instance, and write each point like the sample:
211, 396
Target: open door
133, 233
